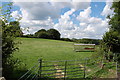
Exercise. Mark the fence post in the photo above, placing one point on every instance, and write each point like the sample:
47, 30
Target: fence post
65, 70
85, 67
40, 68
116, 69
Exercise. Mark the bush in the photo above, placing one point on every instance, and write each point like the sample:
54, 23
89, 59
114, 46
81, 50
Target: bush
65, 39
49, 34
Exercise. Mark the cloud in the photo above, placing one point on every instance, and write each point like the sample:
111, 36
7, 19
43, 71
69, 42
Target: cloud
38, 15
84, 14
43, 10
89, 27
107, 11
92, 26
39, 11
31, 26
16, 15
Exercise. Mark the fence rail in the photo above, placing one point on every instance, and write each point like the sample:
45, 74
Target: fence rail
65, 69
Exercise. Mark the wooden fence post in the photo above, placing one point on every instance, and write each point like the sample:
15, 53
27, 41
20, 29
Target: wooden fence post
40, 68
65, 70
85, 67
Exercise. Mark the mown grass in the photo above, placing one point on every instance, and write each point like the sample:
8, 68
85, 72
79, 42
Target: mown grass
32, 49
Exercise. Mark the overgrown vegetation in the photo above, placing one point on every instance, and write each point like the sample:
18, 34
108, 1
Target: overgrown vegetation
111, 39
87, 41
10, 30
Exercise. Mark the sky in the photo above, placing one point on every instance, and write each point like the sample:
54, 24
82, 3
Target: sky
73, 19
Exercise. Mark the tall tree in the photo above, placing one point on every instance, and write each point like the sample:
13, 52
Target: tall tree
8, 39
54, 34
111, 39
115, 20
16, 28
49, 34
41, 33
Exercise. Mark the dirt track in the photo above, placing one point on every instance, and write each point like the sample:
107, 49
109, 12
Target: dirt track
59, 73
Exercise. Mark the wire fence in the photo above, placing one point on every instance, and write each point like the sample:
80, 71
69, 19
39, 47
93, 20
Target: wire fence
84, 68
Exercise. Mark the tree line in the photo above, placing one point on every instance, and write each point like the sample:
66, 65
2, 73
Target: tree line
54, 34
46, 34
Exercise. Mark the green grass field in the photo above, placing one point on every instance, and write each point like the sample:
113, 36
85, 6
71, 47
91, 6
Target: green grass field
32, 49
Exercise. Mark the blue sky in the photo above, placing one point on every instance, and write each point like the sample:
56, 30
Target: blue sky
72, 20
96, 7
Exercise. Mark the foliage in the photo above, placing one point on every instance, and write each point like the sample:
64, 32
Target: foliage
14, 68
65, 39
10, 30
29, 36
111, 42
54, 34
49, 34
111, 39
38, 32
8, 43
87, 41
42, 34
115, 20
16, 28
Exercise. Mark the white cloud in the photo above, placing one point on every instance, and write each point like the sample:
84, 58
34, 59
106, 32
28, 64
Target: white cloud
40, 15
31, 26
16, 15
80, 5
84, 14
107, 11
36, 15
43, 10
92, 26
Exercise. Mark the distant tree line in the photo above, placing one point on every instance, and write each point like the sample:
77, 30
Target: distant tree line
66, 39
46, 34
54, 34
87, 41
50, 34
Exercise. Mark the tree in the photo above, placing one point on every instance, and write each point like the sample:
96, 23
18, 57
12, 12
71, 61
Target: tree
115, 20
42, 30
111, 39
54, 34
40, 33
49, 34
8, 41
66, 39
43, 35
16, 28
